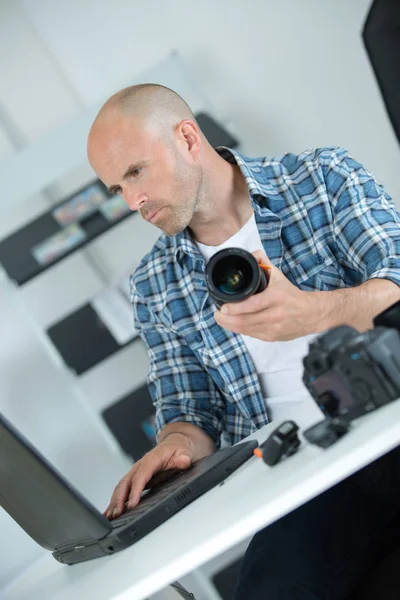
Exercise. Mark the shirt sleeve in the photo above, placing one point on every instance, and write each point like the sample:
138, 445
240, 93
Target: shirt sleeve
180, 387
365, 220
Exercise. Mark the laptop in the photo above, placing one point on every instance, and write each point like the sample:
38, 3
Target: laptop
62, 520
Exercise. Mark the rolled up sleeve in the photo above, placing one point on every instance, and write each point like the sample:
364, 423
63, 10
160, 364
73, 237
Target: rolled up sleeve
181, 390
365, 220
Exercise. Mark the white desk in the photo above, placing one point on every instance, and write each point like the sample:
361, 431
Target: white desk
251, 498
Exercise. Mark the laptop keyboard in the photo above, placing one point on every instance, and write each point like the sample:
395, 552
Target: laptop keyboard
177, 483
153, 497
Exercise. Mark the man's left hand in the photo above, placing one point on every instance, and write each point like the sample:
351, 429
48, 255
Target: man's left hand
281, 312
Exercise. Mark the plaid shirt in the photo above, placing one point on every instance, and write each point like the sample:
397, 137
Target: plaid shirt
323, 220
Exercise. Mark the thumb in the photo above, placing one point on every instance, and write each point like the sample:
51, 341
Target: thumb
182, 461
261, 257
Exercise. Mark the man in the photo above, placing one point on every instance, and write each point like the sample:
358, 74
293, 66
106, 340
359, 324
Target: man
331, 236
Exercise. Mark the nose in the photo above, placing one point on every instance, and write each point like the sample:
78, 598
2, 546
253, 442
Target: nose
135, 200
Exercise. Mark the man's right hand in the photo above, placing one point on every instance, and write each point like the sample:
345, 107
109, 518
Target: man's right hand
174, 452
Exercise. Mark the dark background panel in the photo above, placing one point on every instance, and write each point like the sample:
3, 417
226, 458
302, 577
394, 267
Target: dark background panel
226, 579
381, 36
215, 132
15, 250
125, 419
83, 340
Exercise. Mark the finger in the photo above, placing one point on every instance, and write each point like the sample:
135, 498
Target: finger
149, 474
265, 264
261, 257
140, 483
120, 496
263, 321
160, 477
268, 298
250, 306
180, 461
148, 466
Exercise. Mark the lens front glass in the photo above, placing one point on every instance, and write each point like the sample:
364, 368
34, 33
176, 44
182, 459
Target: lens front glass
232, 275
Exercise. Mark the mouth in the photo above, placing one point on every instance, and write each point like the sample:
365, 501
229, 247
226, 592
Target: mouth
153, 216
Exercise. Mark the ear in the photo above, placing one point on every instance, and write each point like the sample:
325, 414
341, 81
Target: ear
188, 137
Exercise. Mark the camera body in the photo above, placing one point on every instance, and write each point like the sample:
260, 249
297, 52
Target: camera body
350, 373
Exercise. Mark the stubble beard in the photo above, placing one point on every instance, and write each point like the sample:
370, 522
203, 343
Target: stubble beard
179, 216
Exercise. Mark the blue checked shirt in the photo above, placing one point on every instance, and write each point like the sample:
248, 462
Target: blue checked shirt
323, 220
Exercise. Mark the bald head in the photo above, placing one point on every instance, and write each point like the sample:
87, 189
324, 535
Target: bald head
150, 105
146, 146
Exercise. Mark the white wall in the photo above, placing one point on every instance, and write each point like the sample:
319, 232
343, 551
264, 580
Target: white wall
288, 75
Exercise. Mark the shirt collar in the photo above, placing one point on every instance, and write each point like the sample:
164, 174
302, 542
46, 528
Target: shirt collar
253, 170
259, 188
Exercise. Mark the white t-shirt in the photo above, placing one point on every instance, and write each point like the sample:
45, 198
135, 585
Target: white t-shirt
278, 364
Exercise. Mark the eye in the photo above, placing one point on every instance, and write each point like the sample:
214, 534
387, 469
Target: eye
136, 172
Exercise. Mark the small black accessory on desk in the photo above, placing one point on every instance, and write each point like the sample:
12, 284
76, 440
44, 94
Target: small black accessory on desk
282, 442
326, 432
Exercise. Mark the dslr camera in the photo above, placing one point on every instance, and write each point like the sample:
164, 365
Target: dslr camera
350, 373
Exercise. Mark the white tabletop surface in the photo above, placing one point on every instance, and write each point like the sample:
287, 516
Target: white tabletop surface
251, 498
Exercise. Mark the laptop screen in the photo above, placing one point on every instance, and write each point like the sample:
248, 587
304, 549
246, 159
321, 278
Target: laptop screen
39, 499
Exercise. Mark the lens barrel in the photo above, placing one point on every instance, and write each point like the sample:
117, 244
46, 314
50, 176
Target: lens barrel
232, 275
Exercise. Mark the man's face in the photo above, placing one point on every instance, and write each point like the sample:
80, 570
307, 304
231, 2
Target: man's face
154, 176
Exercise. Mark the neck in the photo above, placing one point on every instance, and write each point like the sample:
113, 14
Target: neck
224, 202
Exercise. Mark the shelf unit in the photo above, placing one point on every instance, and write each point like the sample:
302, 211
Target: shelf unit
49, 159
82, 338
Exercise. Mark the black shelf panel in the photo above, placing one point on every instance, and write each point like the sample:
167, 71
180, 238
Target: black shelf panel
130, 419
83, 340
16, 249
214, 132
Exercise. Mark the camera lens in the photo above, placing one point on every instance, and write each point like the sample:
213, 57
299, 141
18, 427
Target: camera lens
233, 274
